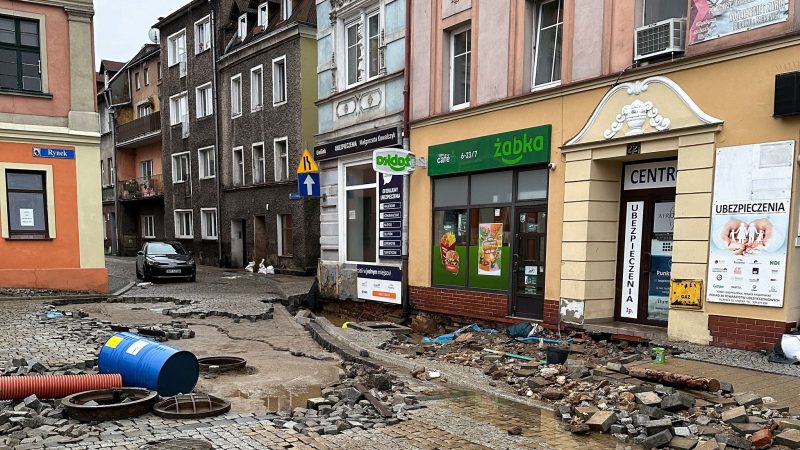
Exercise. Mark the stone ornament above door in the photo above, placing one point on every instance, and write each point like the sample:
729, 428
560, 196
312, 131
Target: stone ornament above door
642, 107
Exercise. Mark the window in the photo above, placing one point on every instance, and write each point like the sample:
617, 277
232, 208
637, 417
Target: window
654, 11
27, 203
238, 166
547, 57
374, 45
146, 76
110, 172
281, 147
103, 174
148, 227
263, 15
20, 57
208, 223
242, 26
259, 163
353, 53
279, 95
184, 224
138, 82
256, 88
146, 169
285, 235
360, 213
286, 9
202, 35
180, 167
179, 109
236, 96
206, 159
176, 48
144, 110
204, 98
460, 58
158, 67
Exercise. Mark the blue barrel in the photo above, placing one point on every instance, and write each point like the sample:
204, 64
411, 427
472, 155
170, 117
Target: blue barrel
148, 364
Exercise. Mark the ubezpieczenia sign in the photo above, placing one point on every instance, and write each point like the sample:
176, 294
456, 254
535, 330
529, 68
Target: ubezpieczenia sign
392, 161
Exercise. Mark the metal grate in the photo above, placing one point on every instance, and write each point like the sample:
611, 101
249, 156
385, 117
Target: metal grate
178, 444
660, 38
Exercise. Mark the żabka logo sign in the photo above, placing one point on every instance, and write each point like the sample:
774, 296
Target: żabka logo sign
511, 151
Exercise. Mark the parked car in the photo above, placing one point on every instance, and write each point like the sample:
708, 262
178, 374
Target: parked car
162, 260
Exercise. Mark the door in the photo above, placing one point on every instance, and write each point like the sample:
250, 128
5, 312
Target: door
529, 263
237, 243
113, 234
645, 256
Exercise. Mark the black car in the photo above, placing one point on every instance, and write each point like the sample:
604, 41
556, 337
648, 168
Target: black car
160, 260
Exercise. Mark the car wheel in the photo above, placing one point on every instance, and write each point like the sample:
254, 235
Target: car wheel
145, 275
193, 278
138, 274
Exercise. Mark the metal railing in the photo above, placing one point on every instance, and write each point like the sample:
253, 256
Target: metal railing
142, 126
141, 188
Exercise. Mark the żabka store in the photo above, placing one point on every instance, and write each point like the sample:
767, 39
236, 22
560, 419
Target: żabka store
489, 225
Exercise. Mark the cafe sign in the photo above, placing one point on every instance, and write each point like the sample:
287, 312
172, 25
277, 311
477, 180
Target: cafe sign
498, 151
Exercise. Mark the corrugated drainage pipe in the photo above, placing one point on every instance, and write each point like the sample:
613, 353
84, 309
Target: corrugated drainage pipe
55, 386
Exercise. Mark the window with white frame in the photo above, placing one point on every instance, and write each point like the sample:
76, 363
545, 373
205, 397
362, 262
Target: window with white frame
180, 167
179, 108
146, 76
207, 163
202, 35
176, 48
281, 149
238, 166
285, 235
103, 175
259, 163
373, 45
360, 212
204, 98
148, 227
208, 223
236, 95
184, 224
257, 88
460, 58
146, 169
138, 81
263, 15
144, 110
353, 43
242, 26
279, 94
286, 9
547, 46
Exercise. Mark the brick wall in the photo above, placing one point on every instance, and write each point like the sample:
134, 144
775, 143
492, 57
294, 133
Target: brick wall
746, 334
477, 305
551, 312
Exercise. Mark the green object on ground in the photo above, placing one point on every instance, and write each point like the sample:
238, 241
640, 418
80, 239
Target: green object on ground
660, 355
510, 355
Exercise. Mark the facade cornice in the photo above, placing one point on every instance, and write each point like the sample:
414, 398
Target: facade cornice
358, 88
85, 7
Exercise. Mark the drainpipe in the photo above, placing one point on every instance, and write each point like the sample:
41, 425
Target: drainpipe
406, 146
217, 150
112, 113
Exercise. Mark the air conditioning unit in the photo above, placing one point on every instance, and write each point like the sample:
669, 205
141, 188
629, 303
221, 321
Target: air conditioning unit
660, 38
787, 94
182, 65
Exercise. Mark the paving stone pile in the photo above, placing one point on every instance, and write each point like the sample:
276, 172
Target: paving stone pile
34, 422
32, 293
237, 309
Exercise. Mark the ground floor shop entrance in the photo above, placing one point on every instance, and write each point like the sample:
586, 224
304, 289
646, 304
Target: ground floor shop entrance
529, 262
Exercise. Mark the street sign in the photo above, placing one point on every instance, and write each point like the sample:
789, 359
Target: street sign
56, 153
294, 196
307, 164
308, 184
393, 161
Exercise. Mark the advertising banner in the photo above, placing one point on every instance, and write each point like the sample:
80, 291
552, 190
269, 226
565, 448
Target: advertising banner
660, 261
390, 216
490, 243
750, 224
632, 256
380, 283
710, 19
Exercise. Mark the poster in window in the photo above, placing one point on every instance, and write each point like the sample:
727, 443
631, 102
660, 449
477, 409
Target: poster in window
711, 19
26, 217
490, 243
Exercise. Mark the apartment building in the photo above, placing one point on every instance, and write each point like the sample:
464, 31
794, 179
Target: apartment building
105, 73
625, 167
50, 199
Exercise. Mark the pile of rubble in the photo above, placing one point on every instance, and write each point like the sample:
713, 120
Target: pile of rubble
244, 309
366, 398
34, 421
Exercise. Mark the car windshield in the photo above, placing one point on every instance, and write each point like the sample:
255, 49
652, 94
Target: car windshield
164, 248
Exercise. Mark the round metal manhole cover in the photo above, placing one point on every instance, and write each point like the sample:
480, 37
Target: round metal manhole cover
221, 364
179, 444
191, 406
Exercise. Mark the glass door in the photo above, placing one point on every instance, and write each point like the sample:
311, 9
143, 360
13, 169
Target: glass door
529, 263
660, 261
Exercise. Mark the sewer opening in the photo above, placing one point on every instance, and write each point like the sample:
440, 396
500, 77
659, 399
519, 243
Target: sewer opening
219, 364
178, 444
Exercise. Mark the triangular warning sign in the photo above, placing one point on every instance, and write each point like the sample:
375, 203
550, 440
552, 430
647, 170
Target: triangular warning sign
307, 164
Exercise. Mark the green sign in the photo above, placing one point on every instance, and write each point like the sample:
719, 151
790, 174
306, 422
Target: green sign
498, 151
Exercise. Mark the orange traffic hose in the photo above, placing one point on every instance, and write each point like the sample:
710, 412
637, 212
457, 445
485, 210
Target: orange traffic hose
55, 386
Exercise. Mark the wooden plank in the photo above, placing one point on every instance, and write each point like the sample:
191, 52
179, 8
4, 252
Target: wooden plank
382, 409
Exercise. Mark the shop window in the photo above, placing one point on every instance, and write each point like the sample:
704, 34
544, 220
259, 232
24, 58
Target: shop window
360, 213
460, 60
549, 22
532, 185
451, 191
20, 60
491, 188
285, 235
27, 204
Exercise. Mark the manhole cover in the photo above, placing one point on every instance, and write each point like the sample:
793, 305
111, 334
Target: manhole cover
179, 444
109, 404
191, 406
222, 363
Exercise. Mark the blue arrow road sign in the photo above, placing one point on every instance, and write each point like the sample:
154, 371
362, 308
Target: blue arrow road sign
308, 184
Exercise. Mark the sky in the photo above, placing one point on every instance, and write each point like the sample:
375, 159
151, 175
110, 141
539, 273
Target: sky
121, 26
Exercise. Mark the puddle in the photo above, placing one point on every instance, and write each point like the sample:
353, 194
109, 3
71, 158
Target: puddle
291, 398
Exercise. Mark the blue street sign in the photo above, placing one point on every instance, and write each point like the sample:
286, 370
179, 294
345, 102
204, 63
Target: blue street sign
308, 184
294, 196
58, 153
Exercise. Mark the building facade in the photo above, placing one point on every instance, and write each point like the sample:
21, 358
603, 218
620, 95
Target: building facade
607, 179
360, 83
105, 73
50, 197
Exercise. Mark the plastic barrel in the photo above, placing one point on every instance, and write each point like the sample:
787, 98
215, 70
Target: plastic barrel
148, 364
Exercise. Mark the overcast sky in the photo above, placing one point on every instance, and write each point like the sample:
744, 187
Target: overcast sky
121, 26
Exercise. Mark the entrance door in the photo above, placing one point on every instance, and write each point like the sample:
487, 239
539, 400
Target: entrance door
529, 263
645, 256
237, 243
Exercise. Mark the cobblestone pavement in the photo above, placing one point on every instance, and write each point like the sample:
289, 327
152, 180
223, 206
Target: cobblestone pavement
734, 358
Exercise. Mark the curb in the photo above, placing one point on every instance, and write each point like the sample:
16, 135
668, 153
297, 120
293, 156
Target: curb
74, 297
124, 289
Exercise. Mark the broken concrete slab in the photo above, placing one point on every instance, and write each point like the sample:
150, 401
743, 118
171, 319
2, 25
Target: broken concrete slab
648, 398
601, 421
789, 438
734, 415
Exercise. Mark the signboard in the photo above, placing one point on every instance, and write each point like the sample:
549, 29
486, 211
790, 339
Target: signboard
660, 261
55, 153
711, 19
308, 184
26, 217
393, 161
490, 243
686, 294
307, 164
498, 151
750, 224
380, 283
652, 175
370, 141
632, 256
390, 216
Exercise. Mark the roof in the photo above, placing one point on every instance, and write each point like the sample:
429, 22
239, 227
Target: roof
111, 66
177, 13
303, 13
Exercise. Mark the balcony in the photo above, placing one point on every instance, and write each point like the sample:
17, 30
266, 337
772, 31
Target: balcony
144, 130
108, 194
145, 188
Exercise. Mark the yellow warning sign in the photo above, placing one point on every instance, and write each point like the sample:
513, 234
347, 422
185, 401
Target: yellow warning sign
686, 294
113, 342
307, 164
